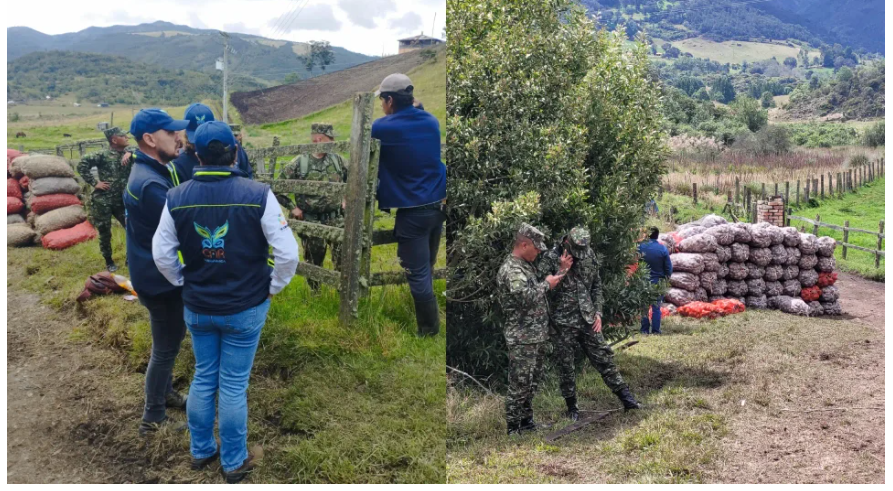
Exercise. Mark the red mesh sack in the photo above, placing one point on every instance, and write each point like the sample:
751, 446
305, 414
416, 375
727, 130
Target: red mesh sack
631, 269
827, 279
49, 202
699, 310
729, 306
13, 189
65, 238
14, 205
25, 182
664, 312
811, 294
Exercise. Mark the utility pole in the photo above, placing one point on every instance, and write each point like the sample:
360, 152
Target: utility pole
225, 49
432, 24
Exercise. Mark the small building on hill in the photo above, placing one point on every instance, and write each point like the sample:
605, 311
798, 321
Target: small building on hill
418, 42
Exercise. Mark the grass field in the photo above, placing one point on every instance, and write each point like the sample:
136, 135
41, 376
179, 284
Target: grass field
733, 52
331, 404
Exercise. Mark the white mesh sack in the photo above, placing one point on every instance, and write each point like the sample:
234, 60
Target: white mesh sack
830, 294
774, 288
740, 252
701, 295
679, 297
689, 263
791, 287
774, 273
742, 232
698, 243
708, 278
808, 261
755, 272
815, 309
779, 254
791, 236
761, 256
686, 281
736, 288
723, 270
825, 264
775, 234
791, 305
711, 261
668, 241
724, 234
737, 271
759, 237
808, 244
756, 286
690, 231
756, 302
720, 287
713, 220
825, 246
832, 308
808, 278
723, 253
793, 256
791, 273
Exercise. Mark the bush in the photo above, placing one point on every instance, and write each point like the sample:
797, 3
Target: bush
552, 125
749, 112
874, 135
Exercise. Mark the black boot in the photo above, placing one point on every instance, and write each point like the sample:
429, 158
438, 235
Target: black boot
626, 397
514, 428
573, 413
427, 314
528, 424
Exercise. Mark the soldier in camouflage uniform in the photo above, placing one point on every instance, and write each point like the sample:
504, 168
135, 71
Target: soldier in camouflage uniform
106, 201
318, 209
522, 297
575, 307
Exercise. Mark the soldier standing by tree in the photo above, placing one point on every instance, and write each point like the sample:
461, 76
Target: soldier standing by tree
576, 315
317, 209
113, 170
525, 310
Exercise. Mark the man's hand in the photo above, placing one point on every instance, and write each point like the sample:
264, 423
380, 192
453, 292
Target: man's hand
297, 213
566, 261
125, 158
553, 280
103, 186
597, 326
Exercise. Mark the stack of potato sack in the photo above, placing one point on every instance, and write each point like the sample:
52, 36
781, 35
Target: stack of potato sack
18, 233
55, 212
761, 265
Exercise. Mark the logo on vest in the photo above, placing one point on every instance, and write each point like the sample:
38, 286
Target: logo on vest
212, 243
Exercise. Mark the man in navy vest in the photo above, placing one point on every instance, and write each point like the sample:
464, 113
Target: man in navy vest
657, 257
412, 180
198, 114
223, 224
152, 175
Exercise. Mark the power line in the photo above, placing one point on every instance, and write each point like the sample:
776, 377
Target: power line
295, 13
281, 21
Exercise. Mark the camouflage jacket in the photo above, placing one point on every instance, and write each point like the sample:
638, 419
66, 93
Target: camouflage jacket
306, 167
579, 292
522, 297
108, 166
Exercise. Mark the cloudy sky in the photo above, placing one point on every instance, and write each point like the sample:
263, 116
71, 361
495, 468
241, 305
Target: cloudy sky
364, 26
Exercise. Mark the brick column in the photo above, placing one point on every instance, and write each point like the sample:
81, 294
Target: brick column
771, 211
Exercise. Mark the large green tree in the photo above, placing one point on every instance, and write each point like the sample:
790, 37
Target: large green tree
554, 123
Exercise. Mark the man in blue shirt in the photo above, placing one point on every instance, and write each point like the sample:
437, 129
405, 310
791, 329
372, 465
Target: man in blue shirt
412, 180
156, 134
657, 258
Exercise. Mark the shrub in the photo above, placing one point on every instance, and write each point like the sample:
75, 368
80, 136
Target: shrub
552, 125
874, 135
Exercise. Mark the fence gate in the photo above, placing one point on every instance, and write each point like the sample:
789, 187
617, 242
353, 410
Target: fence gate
357, 237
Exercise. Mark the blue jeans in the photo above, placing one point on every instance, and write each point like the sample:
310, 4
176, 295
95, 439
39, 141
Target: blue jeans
418, 233
224, 347
655, 318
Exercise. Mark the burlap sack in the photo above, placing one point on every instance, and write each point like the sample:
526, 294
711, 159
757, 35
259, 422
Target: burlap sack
689, 263
59, 218
697, 244
39, 166
701, 295
713, 220
19, 235
724, 234
15, 218
723, 270
720, 287
791, 305
759, 237
690, 231
679, 297
742, 232
685, 281
711, 262
54, 185
815, 309
708, 279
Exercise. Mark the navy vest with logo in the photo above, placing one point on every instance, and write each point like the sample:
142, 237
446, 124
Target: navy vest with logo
218, 220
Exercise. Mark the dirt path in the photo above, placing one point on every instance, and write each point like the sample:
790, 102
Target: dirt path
50, 385
822, 415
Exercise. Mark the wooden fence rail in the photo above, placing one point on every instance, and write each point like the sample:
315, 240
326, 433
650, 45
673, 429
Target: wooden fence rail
846, 229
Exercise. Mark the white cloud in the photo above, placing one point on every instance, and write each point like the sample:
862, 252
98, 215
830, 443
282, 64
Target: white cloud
316, 17
364, 12
409, 22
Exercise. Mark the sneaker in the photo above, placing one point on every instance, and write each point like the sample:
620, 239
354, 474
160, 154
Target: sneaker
147, 427
111, 267
175, 400
238, 475
199, 464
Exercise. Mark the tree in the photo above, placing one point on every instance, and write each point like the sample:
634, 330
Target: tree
291, 78
554, 123
790, 62
766, 100
874, 135
701, 94
845, 74
723, 90
321, 53
689, 85
749, 112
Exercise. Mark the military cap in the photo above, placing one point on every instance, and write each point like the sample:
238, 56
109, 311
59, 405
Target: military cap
322, 129
538, 238
109, 133
578, 240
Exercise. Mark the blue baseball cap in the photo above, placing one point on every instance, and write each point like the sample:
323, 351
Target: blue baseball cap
197, 114
154, 119
213, 131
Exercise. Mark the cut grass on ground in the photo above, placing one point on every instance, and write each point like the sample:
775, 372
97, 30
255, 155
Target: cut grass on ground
733, 52
329, 403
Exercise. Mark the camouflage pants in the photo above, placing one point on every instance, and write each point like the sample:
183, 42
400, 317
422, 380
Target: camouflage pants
102, 208
579, 333
525, 371
315, 248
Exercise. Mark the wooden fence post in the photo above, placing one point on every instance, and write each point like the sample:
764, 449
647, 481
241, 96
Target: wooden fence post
815, 188
880, 245
776, 190
763, 191
846, 236
798, 193
815, 226
839, 187
822, 177
806, 192
737, 188
747, 200
787, 193
694, 191
369, 220
357, 188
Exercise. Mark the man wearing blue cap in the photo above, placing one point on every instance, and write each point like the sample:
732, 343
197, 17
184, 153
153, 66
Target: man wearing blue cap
156, 134
196, 114
227, 286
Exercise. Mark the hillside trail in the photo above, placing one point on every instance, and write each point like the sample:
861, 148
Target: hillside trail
831, 425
